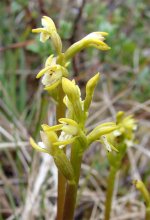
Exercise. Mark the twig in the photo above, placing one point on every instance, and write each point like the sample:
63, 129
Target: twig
74, 34
17, 45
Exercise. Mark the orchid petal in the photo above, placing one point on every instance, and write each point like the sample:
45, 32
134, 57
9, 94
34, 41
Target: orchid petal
51, 128
37, 147
42, 72
53, 86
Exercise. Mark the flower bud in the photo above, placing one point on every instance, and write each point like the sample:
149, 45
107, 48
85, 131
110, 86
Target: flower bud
119, 117
142, 188
97, 133
70, 89
73, 94
64, 165
90, 86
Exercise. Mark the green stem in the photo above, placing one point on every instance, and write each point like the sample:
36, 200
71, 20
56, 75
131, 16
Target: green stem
109, 194
76, 159
73, 49
143, 190
71, 190
70, 201
147, 217
60, 113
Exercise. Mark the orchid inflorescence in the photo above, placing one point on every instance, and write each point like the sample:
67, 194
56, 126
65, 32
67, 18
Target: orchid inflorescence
73, 127
71, 130
120, 139
55, 73
56, 66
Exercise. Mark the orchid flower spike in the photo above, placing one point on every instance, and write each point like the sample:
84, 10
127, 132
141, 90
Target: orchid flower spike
124, 131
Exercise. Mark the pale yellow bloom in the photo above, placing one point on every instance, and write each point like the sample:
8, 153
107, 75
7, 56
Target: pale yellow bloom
127, 125
125, 130
69, 126
94, 39
50, 144
52, 73
50, 140
49, 31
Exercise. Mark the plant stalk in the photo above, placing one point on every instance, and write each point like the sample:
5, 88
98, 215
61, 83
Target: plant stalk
147, 217
60, 113
109, 194
70, 201
71, 190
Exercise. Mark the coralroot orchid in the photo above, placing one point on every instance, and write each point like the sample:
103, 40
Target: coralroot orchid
71, 128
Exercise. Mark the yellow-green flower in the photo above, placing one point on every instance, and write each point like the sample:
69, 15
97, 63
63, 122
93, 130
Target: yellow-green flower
94, 39
123, 134
69, 126
49, 31
145, 193
100, 130
47, 144
107, 143
52, 73
127, 125
51, 142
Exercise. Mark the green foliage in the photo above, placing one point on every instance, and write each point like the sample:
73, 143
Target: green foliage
128, 30
142, 89
42, 50
65, 29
